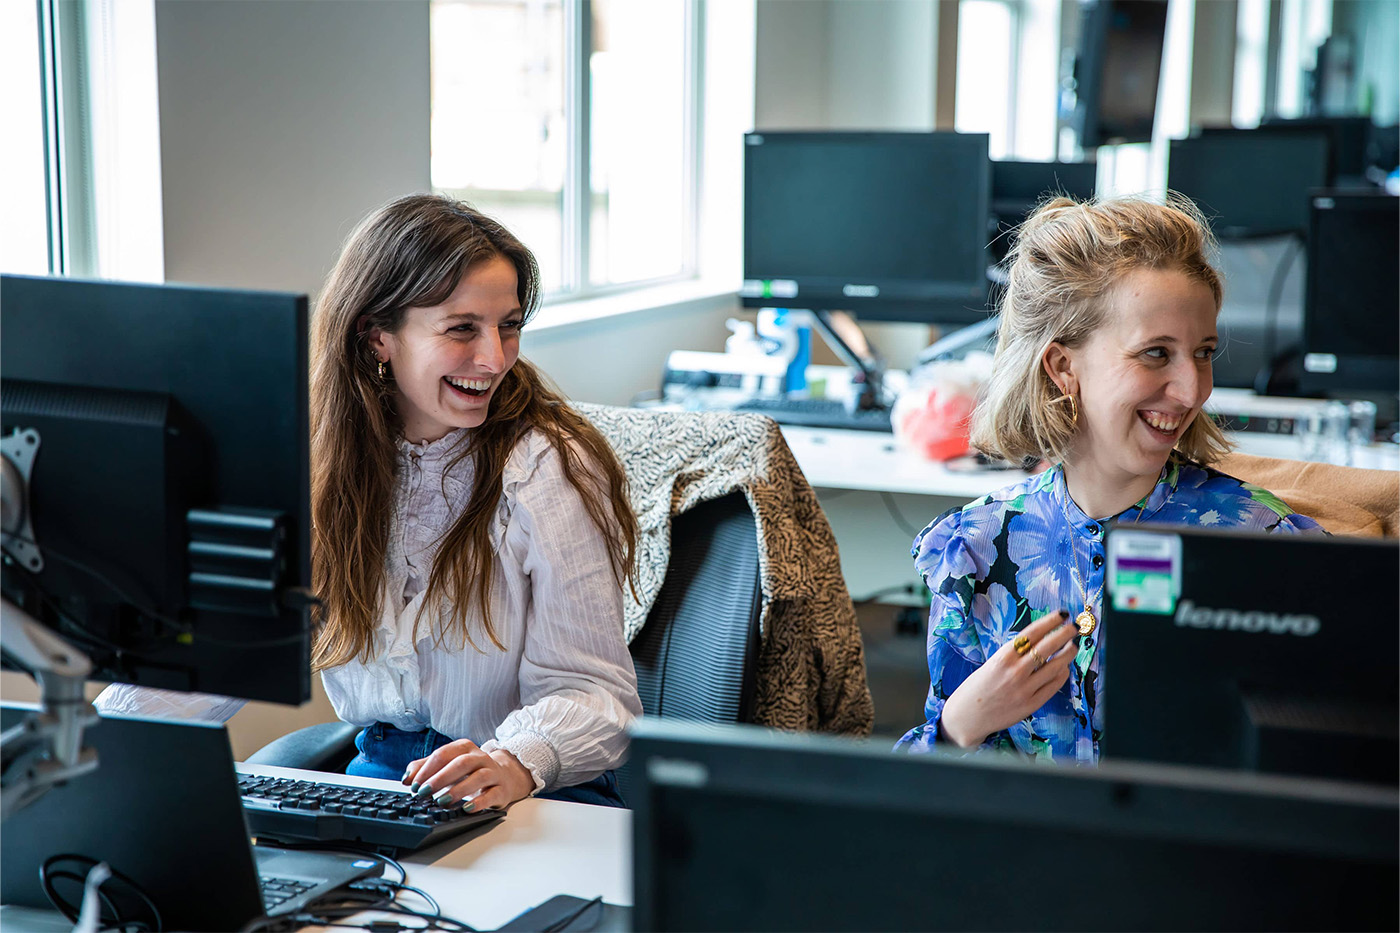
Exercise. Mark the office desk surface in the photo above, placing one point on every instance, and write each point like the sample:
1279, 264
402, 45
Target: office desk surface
541, 848
874, 461
485, 877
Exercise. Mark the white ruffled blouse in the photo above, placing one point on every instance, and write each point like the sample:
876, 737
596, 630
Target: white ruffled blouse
562, 693
559, 697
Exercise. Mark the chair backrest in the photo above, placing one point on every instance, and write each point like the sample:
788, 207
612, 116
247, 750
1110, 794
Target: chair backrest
697, 654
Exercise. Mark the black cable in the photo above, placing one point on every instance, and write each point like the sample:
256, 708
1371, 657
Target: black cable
375, 894
48, 874
181, 628
102, 578
898, 516
437, 911
1285, 265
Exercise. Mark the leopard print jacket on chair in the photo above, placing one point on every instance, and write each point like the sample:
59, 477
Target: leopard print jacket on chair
811, 667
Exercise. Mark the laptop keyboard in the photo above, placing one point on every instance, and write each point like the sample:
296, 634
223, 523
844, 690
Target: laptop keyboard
286, 809
277, 891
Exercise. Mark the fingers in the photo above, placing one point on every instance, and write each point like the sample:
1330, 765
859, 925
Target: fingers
1043, 638
446, 766
1054, 677
1045, 625
1057, 639
475, 788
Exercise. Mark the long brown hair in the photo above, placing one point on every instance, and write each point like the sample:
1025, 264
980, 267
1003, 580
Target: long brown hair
411, 253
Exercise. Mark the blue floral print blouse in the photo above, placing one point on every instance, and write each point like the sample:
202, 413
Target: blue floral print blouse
1001, 562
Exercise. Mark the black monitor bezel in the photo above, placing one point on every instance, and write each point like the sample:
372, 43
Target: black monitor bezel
899, 300
1209, 136
1356, 373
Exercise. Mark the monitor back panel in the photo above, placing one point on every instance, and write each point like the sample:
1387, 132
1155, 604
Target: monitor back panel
1281, 639
737, 828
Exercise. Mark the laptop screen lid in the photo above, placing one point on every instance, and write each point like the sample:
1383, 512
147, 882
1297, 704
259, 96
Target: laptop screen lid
162, 808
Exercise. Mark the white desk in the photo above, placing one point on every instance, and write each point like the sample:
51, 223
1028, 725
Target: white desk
539, 849
874, 461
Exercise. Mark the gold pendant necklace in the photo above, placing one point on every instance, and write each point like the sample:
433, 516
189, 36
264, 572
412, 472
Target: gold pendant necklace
1085, 621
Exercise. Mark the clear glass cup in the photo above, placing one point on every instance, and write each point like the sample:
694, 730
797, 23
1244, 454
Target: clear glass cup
1326, 434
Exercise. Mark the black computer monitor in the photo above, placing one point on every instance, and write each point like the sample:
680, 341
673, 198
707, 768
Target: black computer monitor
1117, 69
1351, 307
1349, 138
887, 226
1252, 651
1250, 183
161, 433
739, 828
1018, 187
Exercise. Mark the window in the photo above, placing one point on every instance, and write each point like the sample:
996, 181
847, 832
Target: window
576, 124
24, 242
987, 73
1007, 85
81, 172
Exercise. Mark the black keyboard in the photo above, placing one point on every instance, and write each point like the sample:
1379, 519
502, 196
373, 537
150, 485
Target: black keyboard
290, 810
818, 413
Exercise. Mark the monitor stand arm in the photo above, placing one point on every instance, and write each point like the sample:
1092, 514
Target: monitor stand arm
45, 749
872, 395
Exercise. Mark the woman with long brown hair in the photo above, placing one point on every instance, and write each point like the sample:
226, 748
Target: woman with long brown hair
472, 534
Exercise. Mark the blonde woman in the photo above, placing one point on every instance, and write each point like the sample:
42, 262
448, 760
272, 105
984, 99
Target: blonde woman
1103, 362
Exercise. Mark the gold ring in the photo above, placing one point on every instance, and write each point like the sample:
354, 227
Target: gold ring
1022, 644
1039, 661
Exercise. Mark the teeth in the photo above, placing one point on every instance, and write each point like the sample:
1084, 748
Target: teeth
475, 385
1161, 422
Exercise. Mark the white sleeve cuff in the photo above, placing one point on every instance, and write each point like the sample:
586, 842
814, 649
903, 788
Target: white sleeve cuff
534, 752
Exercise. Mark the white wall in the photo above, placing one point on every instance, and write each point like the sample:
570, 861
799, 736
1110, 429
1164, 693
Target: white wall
846, 64
282, 123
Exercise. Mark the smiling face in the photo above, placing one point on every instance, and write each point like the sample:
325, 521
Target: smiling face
1141, 377
448, 360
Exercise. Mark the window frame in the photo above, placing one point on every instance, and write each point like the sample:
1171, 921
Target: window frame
577, 197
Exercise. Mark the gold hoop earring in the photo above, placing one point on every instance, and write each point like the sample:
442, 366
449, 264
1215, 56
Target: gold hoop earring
1073, 408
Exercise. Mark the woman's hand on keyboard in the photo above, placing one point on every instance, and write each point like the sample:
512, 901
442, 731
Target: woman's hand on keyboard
460, 774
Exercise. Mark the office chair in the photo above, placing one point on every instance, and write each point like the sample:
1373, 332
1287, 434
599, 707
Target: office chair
696, 657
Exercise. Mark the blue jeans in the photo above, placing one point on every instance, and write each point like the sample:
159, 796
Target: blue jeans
385, 751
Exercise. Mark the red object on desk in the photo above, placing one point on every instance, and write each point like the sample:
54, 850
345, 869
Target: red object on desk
939, 428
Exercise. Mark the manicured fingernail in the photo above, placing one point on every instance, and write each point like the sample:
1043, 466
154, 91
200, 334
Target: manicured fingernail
424, 790
407, 777
414, 787
467, 806
443, 799
1064, 614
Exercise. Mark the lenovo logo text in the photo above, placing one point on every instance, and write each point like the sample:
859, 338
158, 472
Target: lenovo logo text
1192, 616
